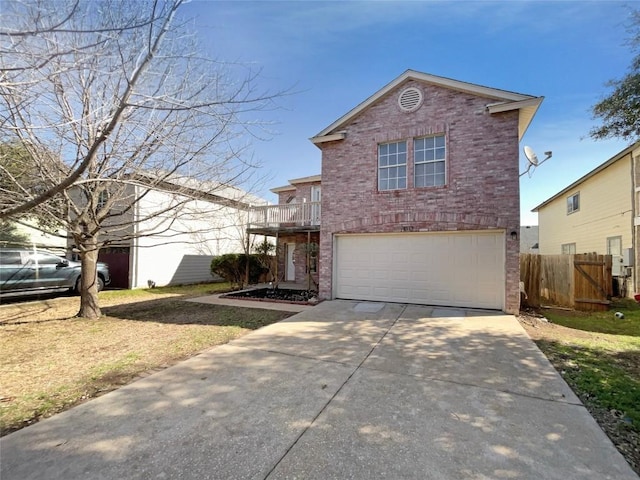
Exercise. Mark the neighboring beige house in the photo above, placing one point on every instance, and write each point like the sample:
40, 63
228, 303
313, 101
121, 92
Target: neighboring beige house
597, 213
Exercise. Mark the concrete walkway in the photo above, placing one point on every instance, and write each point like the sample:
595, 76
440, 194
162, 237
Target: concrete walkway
343, 390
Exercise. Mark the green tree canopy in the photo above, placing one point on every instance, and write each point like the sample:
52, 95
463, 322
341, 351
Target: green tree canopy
10, 235
17, 170
620, 110
23, 175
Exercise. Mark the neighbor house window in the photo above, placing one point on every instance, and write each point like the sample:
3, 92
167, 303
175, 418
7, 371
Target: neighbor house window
573, 203
103, 197
429, 160
614, 246
569, 249
392, 166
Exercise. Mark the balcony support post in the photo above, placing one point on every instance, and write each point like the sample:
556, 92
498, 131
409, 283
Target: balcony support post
308, 261
277, 258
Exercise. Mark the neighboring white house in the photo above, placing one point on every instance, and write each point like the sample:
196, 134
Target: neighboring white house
168, 249
38, 238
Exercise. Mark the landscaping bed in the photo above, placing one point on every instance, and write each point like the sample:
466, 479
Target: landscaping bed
283, 295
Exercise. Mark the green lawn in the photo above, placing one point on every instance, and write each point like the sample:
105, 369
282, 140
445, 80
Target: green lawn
602, 322
604, 366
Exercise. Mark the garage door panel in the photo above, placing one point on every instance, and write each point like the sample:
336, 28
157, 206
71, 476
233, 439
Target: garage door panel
379, 274
420, 276
399, 275
456, 269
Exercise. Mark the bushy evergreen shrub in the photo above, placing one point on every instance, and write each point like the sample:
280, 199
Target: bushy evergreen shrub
232, 267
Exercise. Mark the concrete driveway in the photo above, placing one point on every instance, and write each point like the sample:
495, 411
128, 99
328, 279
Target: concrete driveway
343, 390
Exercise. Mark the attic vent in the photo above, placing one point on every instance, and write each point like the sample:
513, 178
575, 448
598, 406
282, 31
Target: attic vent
410, 99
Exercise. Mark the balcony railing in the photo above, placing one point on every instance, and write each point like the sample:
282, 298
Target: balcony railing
286, 215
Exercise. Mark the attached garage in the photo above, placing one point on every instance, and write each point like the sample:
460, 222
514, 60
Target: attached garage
462, 269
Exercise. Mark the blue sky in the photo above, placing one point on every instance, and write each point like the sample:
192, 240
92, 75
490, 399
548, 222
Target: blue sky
336, 54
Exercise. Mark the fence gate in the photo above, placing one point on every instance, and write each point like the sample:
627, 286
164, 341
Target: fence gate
593, 285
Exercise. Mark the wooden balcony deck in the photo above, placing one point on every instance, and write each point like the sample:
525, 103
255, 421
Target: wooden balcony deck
287, 217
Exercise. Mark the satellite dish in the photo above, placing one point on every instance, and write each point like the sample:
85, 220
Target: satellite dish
531, 156
533, 160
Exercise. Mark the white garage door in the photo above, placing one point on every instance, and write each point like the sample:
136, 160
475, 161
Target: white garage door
451, 269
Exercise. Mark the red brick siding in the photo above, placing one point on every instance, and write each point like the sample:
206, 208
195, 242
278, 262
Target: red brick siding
482, 190
301, 192
283, 197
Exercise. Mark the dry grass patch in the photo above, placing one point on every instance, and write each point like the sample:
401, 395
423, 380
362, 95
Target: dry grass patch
50, 360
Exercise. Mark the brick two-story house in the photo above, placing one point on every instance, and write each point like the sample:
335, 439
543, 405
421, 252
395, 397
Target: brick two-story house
420, 196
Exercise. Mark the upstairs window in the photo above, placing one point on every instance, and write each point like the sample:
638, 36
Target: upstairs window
392, 166
429, 160
573, 203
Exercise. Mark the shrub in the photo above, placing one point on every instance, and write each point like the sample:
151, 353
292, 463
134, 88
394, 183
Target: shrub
264, 253
232, 268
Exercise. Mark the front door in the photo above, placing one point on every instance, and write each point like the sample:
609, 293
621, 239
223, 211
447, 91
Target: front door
291, 266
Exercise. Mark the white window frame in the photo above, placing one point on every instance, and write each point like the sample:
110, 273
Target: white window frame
568, 248
573, 203
316, 198
103, 198
610, 240
392, 162
427, 154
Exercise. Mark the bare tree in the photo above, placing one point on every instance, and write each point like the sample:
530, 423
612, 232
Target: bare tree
30, 47
117, 94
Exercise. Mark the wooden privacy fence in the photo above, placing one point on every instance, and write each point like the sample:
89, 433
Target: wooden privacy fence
581, 282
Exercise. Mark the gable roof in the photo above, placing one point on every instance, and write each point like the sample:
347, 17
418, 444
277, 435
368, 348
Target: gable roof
296, 181
503, 101
215, 192
309, 179
592, 173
